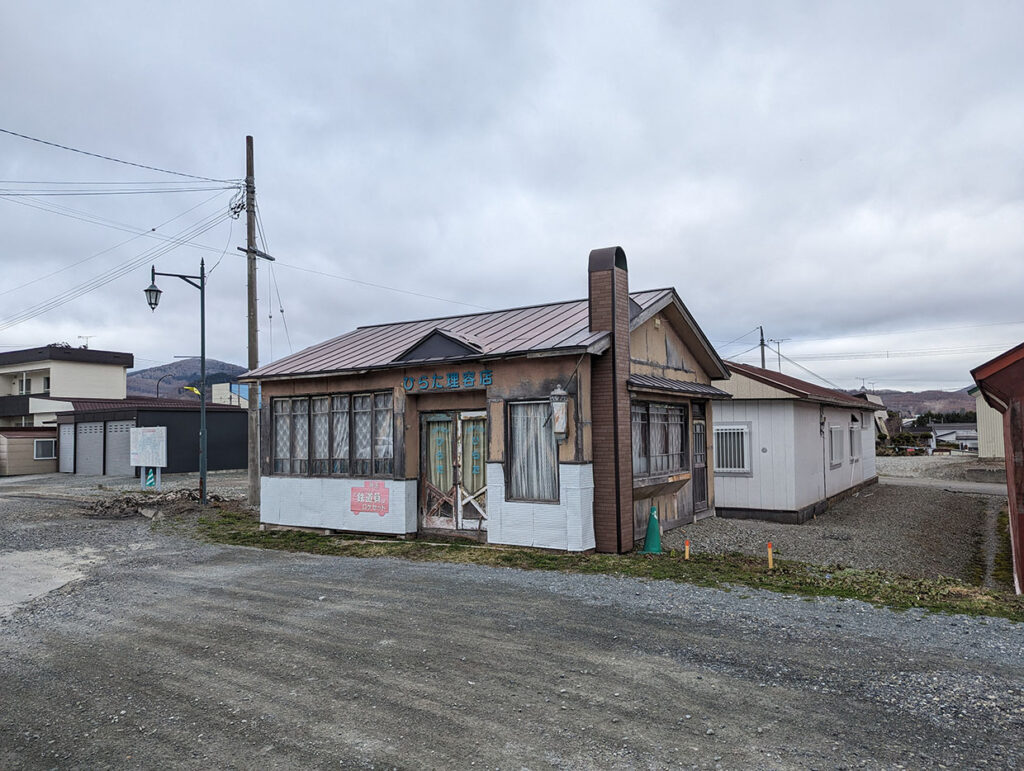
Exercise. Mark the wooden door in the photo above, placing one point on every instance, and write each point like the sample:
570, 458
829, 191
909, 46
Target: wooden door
700, 466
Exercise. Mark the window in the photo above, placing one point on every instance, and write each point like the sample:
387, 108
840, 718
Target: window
46, 383
660, 434
44, 449
732, 448
835, 445
533, 453
321, 429
344, 435
282, 435
24, 386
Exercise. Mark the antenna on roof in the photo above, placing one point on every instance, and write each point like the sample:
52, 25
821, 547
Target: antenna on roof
778, 348
87, 338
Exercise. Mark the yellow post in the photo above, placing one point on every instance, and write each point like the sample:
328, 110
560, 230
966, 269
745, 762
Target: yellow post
687, 553
771, 564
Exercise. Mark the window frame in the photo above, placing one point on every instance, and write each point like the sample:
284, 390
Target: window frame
646, 408
745, 430
337, 404
509, 450
35, 449
835, 445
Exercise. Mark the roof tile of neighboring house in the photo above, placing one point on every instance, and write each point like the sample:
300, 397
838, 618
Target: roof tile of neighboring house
134, 402
553, 327
801, 388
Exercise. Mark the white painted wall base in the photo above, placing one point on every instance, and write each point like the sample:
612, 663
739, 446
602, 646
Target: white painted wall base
568, 524
325, 502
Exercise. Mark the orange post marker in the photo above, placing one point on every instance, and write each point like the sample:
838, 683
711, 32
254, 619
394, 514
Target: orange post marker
686, 555
771, 564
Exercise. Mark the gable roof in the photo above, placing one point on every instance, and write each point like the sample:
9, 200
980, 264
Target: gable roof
1000, 378
801, 389
554, 328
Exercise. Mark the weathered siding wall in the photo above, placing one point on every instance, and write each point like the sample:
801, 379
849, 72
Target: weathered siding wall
743, 387
325, 502
656, 349
773, 463
811, 459
17, 456
990, 430
568, 524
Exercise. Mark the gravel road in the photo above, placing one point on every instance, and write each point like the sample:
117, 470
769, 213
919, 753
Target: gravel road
920, 532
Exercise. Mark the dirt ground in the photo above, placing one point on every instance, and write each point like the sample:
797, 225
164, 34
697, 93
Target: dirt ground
166, 652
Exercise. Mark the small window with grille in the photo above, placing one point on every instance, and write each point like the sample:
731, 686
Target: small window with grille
732, 448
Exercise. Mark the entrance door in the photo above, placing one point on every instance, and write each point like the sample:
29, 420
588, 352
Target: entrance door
453, 474
700, 466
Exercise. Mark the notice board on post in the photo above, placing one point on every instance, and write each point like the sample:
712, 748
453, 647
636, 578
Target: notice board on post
148, 446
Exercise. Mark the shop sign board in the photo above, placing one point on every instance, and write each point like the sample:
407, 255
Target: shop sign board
371, 498
449, 381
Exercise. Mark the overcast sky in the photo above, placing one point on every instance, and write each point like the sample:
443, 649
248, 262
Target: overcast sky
848, 175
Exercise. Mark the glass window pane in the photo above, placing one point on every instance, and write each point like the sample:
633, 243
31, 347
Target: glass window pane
300, 435
321, 435
383, 431
641, 451
362, 427
340, 441
533, 453
282, 436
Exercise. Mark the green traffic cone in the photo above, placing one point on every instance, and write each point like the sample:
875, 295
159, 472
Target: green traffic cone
652, 543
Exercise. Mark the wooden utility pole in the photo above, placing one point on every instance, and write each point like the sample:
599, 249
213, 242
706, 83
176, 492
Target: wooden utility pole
254, 340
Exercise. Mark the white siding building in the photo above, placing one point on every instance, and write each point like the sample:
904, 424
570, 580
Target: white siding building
990, 428
785, 448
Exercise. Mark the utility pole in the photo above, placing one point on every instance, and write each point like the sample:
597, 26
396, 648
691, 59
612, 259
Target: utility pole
778, 348
254, 341
762, 346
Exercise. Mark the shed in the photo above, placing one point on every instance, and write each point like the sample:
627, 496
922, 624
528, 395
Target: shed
28, 451
94, 436
1001, 381
784, 449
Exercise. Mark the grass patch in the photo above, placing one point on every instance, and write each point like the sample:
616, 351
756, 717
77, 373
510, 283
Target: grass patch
722, 571
1002, 569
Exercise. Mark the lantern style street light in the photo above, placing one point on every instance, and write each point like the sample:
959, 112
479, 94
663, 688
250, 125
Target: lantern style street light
153, 293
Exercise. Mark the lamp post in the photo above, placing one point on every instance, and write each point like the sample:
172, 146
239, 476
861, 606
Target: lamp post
153, 293
162, 377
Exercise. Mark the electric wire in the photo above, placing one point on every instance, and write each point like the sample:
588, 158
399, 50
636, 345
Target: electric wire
111, 158
273, 277
138, 234
111, 274
148, 191
726, 345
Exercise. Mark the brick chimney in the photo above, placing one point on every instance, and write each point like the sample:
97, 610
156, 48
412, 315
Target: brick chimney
608, 301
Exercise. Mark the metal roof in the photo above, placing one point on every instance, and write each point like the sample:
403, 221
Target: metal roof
66, 353
134, 403
658, 383
549, 328
802, 389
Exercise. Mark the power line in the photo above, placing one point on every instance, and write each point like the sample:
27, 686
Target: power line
138, 234
113, 273
111, 158
122, 191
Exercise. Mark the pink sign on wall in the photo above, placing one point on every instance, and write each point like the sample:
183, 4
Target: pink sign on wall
371, 497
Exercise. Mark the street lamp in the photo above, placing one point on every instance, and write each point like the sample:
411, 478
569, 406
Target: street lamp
153, 293
160, 379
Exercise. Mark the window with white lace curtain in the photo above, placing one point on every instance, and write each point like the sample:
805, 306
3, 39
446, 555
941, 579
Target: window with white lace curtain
532, 453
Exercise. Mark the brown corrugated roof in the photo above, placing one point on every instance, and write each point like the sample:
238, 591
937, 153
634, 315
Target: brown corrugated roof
657, 383
531, 329
801, 388
135, 402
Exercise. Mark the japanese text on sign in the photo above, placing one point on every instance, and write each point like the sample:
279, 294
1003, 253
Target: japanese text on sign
449, 381
371, 497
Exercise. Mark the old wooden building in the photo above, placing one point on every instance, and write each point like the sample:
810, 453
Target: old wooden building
555, 425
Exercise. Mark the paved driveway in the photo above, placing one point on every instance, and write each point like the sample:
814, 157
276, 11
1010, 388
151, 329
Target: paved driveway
168, 653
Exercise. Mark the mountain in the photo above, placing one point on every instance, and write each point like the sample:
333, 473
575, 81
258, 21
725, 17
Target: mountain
909, 403
173, 376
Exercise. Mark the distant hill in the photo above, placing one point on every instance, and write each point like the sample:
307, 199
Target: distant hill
180, 373
909, 403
